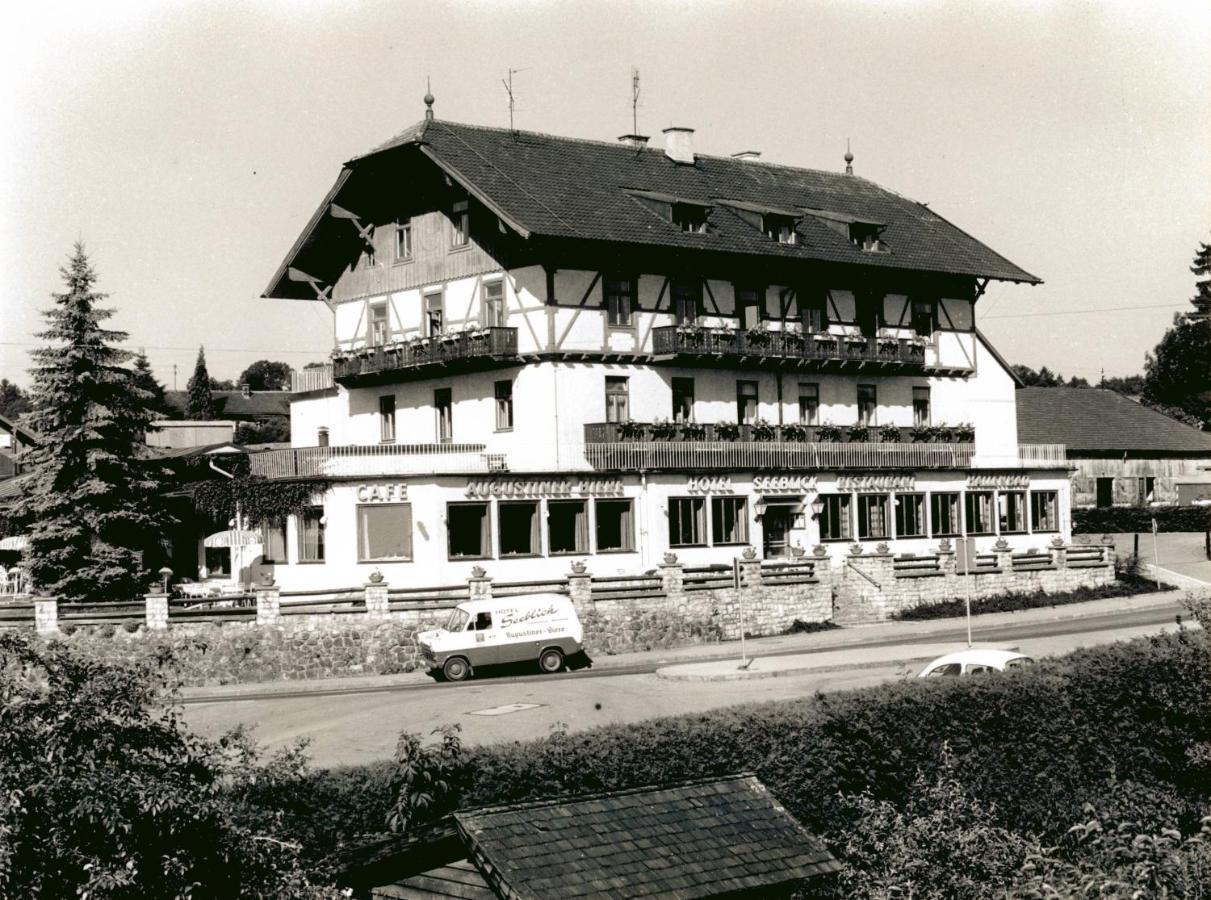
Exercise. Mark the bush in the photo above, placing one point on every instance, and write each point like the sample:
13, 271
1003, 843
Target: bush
1131, 519
1126, 586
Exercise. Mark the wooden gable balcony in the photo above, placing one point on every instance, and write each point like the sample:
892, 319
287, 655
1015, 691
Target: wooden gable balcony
462, 351
699, 345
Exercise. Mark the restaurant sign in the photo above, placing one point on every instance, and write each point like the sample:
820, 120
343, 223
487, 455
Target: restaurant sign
901, 482
784, 484
532, 488
1003, 480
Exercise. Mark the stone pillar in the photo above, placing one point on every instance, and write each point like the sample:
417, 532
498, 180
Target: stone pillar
479, 585
377, 601
1059, 554
1108, 551
580, 589
155, 612
268, 603
1004, 555
46, 615
750, 568
672, 578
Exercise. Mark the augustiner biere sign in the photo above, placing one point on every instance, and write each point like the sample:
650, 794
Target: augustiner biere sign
534, 488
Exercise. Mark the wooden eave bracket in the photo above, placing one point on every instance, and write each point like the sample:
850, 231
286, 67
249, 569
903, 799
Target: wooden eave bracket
322, 291
366, 231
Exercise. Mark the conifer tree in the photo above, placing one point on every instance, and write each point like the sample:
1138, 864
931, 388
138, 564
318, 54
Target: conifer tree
146, 380
1202, 267
95, 504
200, 403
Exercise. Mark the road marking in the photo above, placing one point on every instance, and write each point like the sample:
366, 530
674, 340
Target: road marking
504, 710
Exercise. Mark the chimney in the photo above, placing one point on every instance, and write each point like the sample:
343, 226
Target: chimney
747, 155
638, 141
679, 145
245, 390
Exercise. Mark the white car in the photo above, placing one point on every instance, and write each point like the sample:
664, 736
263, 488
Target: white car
975, 660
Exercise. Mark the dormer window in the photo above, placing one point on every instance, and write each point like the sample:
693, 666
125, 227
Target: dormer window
690, 217
866, 236
778, 228
863, 234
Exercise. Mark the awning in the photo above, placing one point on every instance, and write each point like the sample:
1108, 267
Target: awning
232, 539
14, 542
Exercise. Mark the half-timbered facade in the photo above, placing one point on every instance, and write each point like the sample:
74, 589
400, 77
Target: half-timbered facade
546, 347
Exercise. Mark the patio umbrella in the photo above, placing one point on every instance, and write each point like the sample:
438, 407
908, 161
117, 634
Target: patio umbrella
14, 542
237, 540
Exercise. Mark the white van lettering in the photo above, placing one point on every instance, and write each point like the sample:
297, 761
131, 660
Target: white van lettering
516, 618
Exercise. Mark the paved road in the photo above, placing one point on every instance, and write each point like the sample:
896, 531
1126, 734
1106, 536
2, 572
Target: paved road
350, 728
1182, 552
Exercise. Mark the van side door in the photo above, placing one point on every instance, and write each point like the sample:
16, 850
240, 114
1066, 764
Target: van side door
484, 649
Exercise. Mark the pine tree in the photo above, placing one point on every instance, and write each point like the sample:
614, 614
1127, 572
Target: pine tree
200, 403
95, 504
145, 379
1202, 267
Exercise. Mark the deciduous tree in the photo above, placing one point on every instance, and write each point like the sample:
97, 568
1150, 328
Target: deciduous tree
265, 375
14, 402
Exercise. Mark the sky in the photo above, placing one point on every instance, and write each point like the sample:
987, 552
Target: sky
187, 144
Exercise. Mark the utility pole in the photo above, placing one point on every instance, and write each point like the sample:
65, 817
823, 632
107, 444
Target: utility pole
634, 100
174, 376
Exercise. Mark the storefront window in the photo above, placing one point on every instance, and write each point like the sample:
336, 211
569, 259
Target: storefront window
384, 531
1011, 510
872, 516
615, 525
273, 541
519, 529
1043, 516
729, 520
467, 527
944, 515
311, 535
567, 526
910, 515
687, 522
835, 524
979, 512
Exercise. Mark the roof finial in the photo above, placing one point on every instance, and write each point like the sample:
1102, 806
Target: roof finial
428, 99
849, 159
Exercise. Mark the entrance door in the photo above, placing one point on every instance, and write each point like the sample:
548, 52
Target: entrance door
775, 528
1105, 492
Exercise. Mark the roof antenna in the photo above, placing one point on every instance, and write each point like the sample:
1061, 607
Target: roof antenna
849, 159
509, 90
634, 100
428, 100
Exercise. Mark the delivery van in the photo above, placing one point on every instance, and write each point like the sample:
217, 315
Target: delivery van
539, 627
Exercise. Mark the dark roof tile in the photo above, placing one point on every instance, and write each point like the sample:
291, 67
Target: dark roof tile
1090, 419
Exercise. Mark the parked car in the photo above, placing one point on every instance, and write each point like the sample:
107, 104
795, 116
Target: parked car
540, 627
974, 661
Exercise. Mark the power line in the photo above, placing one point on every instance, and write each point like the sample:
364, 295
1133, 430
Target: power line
194, 347
1079, 312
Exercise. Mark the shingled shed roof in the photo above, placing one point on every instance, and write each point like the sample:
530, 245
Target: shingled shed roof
692, 840
1091, 420
548, 186
234, 404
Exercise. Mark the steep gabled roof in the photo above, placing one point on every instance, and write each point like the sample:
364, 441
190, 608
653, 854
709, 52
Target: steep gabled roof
558, 187
1092, 420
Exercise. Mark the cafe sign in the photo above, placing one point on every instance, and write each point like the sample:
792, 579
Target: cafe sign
902, 482
534, 488
1003, 480
784, 484
382, 493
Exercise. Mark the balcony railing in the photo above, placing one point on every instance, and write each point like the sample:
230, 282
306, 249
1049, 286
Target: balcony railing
627, 456
464, 351
614, 432
372, 460
315, 378
794, 348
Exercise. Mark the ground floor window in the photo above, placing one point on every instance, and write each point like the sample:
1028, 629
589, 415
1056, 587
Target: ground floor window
835, 522
384, 532
567, 526
1043, 511
273, 541
729, 520
311, 535
518, 524
468, 531
944, 515
872, 516
218, 561
979, 512
615, 525
1011, 511
910, 515
687, 522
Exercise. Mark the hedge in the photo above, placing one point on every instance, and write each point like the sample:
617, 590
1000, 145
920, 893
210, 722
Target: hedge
1131, 519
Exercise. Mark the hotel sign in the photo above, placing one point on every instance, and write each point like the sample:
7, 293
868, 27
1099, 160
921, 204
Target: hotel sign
905, 482
1004, 480
535, 488
382, 493
709, 484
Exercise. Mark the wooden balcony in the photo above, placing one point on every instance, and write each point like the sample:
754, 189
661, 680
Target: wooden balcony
371, 460
788, 349
463, 351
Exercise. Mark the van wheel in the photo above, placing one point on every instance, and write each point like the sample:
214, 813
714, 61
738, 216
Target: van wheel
551, 660
456, 669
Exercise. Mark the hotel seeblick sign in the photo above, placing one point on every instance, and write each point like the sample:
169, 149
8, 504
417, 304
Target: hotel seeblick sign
510, 488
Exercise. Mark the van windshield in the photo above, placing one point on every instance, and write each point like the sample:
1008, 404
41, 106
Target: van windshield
458, 619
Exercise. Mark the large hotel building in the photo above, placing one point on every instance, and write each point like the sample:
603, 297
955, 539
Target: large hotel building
551, 350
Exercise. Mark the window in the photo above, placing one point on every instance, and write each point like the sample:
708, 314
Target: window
778, 228
311, 535
813, 310
518, 527
920, 406
617, 397
384, 532
1043, 515
749, 306
835, 522
866, 235
567, 526
690, 217
869, 308
273, 541
443, 410
910, 515
615, 526
403, 239
746, 402
683, 399
1011, 511
620, 301
386, 419
218, 561
1147, 491
868, 404
979, 512
924, 316
687, 521
687, 300
467, 531
369, 258
872, 517
378, 325
504, 405
809, 403
435, 317
944, 515
729, 520
483, 622
462, 222
492, 306
1105, 492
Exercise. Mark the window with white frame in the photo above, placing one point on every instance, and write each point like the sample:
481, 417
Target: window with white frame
750, 305
1044, 511
384, 532
378, 329
435, 313
386, 419
687, 522
492, 305
518, 528
1011, 511
443, 410
872, 517
567, 526
944, 514
468, 531
273, 541
868, 404
687, 300
729, 520
920, 407
311, 535
978, 507
746, 402
615, 526
619, 301
835, 521
461, 220
809, 403
503, 391
617, 399
910, 515
403, 239
683, 399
